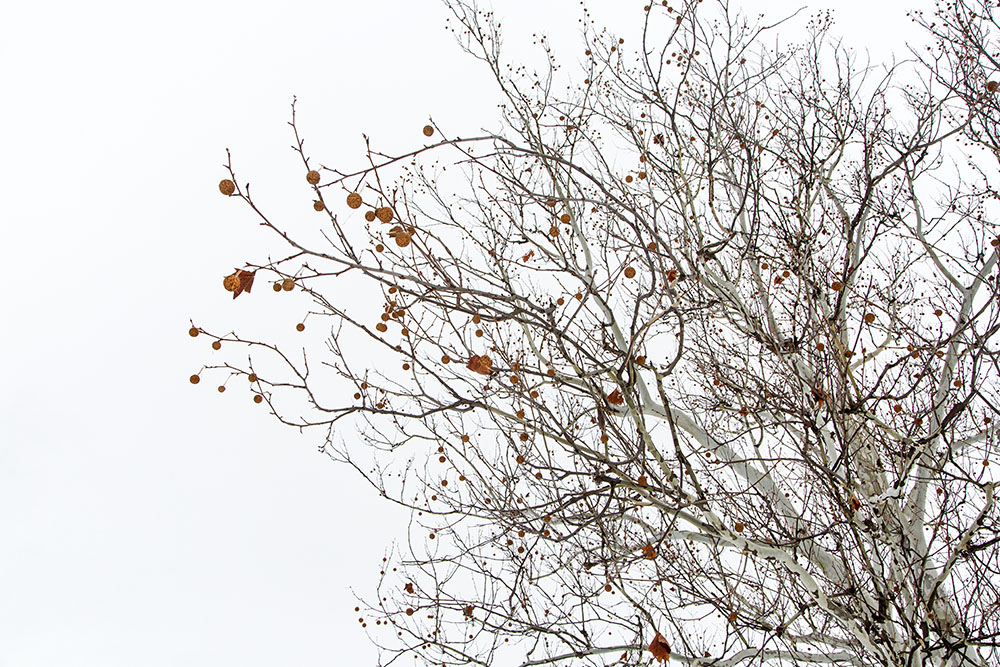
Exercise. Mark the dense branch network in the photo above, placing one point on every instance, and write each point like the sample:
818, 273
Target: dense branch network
697, 360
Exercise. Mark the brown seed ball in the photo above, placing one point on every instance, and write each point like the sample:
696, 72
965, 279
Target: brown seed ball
288, 284
565, 218
379, 248
381, 327
402, 240
221, 389
354, 200
553, 230
629, 272
195, 379
428, 130
869, 317
216, 345
837, 286
231, 283
300, 327
991, 86
318, 205
445, 359
193, 332
370, 216
252, 377
313, 177
277, 287
258, 398
384, 214
227, 187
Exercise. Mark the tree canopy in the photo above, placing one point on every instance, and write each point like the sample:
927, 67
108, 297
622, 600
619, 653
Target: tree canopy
694, 361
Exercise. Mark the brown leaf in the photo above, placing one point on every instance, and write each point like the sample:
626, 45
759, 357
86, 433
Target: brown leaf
239, 282
480, 364
408, 588
660, 648
616, 398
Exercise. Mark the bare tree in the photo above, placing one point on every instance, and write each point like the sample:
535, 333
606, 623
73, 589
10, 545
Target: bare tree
696, 360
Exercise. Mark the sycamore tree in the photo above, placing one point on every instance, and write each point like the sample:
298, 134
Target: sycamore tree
693, 359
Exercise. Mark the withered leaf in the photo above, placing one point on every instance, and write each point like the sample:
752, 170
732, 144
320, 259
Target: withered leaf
616, 398
660, 648
480, 364
239, 282
408, 588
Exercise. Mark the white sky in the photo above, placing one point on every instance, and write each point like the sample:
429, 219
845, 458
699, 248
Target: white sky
143, 520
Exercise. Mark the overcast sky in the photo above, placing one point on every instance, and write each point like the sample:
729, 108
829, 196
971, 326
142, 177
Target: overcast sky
143, 520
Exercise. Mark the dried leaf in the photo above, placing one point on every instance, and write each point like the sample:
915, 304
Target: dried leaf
239, 282
408, 588
480, 364
660, 648
616, 398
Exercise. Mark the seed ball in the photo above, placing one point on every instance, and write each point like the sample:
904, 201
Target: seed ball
384, 214
313, 177
227, 187
379, 248
258, 398
354, 200
216, 345
231, 283
565, 218
991, 86
252, 377
381, 327
318, 205
428, 130
193, 332
553, 230
277, 287
300, 327
629, 272
288, 284
221, 389
402, 240
195, 379
370, 216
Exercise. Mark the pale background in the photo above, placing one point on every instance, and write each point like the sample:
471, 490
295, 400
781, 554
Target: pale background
143, 520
